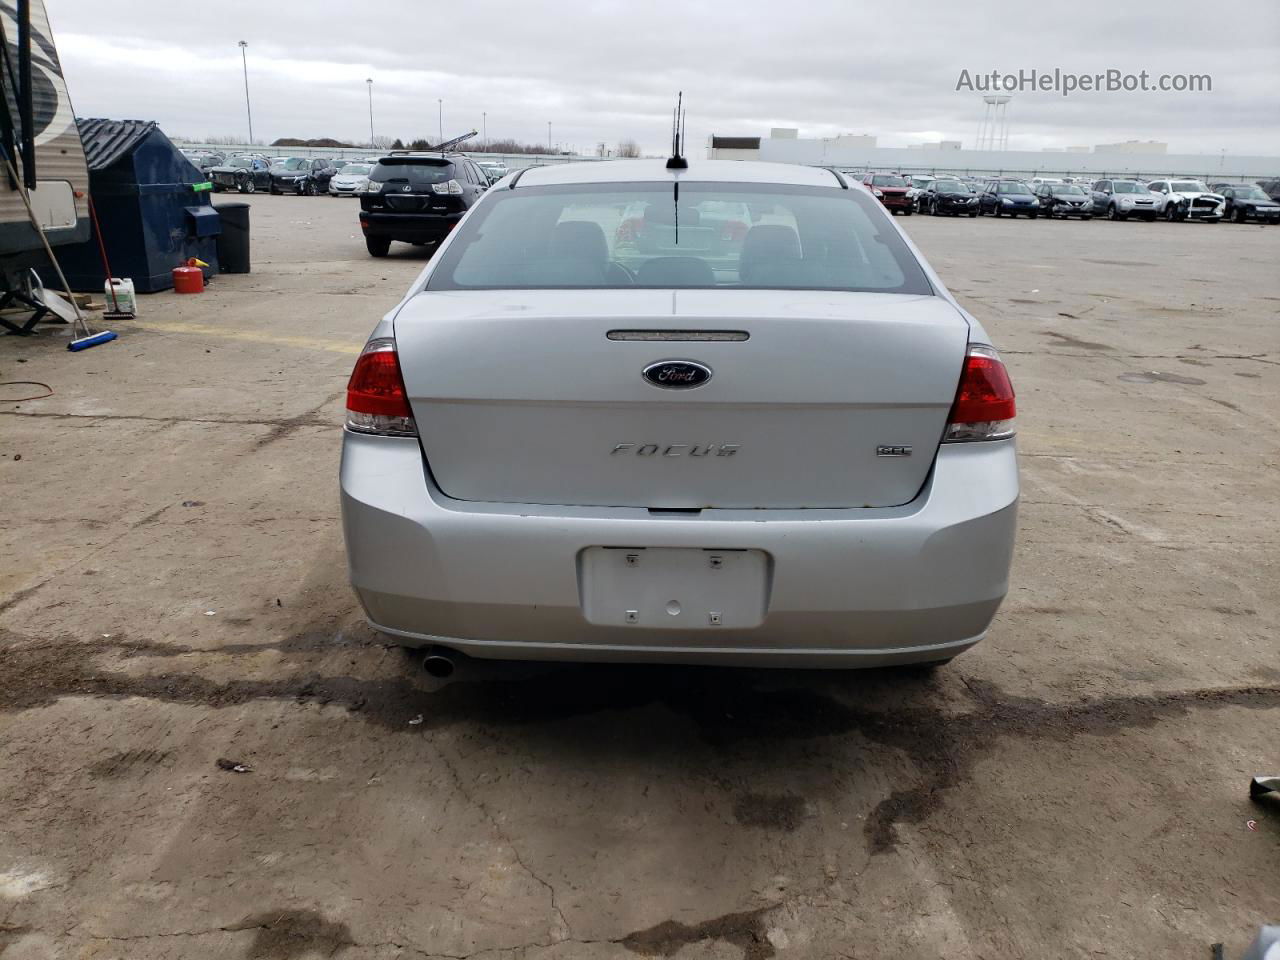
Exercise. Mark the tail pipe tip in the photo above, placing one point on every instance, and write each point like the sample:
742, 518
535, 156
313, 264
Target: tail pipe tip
439, 663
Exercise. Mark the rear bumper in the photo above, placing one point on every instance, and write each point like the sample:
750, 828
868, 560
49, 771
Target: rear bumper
407, 227
847, 587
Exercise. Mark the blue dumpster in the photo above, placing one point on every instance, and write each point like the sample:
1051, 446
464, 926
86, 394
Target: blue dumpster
152, 216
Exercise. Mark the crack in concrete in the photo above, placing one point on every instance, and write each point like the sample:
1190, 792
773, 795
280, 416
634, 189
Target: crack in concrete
282, 428
566, 932
14, 599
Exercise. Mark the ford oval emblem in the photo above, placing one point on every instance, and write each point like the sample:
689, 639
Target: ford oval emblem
677, 374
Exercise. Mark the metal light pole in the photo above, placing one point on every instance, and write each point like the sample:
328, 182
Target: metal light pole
244, 61
548, 136
370, 83
484, 129
440, 118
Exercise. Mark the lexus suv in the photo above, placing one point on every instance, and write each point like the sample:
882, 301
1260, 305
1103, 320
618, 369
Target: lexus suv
793, 447
417, 198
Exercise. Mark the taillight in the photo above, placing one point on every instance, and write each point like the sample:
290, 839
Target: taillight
376, 398
984, 407
449, 186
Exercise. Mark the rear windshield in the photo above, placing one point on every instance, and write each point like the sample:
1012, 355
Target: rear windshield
413, 172
760, 236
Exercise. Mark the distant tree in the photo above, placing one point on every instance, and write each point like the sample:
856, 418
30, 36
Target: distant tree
314, 142
627, 148
419, 144
384, 143
397, 144
512, 146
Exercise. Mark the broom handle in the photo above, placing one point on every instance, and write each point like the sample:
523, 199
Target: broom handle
35, 222
102, 248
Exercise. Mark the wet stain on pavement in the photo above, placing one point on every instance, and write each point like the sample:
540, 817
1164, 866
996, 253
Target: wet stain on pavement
744, 930
726, 707
293, 934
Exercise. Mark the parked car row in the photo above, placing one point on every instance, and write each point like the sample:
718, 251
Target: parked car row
1173, 199
304, 176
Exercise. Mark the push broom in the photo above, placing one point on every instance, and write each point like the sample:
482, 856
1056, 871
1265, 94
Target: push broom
115, 313
88, 338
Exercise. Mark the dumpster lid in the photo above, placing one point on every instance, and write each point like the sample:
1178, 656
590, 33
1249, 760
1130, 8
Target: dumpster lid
106, 141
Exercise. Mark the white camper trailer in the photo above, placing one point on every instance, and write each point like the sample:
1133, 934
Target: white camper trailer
39, 140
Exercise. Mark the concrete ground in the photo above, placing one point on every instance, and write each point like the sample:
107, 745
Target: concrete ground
172, 595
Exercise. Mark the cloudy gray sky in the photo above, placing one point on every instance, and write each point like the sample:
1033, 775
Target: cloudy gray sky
609, 69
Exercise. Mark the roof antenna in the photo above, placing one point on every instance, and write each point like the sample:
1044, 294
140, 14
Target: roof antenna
677, 160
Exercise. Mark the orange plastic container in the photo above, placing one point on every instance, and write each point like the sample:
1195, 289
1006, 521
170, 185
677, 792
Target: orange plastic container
188, 280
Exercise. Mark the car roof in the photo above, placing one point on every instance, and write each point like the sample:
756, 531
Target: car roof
655, 171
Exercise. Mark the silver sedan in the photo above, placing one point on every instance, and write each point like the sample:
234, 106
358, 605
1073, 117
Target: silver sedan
717, 414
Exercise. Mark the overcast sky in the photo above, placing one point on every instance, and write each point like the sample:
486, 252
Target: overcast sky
602, 71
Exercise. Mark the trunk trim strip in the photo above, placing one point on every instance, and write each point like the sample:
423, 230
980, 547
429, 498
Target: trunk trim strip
679, 335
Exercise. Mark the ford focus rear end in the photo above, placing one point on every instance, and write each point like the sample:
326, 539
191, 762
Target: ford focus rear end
788, 448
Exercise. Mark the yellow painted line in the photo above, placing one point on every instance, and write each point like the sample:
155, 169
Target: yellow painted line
345, 347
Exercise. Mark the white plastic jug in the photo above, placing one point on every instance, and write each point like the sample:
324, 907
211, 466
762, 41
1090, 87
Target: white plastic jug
122, 290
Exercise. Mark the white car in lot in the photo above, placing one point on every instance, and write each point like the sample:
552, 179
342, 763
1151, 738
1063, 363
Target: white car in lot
785, 445
1189, 200
495, 170
351, 180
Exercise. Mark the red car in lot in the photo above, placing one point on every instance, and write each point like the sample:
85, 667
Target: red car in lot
891, 190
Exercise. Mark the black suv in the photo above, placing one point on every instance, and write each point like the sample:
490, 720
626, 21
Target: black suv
417, 198
301, 175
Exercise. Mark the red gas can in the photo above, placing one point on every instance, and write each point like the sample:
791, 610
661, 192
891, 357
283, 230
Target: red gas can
188, 280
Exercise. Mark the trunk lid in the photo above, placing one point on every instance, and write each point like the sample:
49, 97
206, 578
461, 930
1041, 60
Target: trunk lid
524, 397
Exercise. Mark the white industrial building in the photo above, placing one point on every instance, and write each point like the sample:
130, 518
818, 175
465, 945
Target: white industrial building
857, 153
1144, 147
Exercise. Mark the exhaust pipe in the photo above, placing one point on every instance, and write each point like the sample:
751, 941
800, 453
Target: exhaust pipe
439, 663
